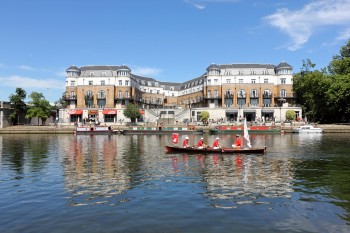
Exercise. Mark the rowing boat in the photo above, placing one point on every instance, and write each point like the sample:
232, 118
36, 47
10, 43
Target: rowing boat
176, 149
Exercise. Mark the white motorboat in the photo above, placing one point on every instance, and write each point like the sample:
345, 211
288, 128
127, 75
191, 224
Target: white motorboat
308, 129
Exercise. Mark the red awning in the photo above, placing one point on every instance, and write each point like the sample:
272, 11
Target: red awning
109, 112
75, 112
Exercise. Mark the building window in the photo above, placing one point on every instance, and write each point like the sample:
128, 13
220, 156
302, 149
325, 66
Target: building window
241, 93
209, 94
101, 103
101, 95
253, 80
254, 93
266, 80
103, 73
216, 94
126, 94
72, 83
172, 94
92, 74
120, 95
209, 81
120, 82
283, 81
228, 80
91, 83
215, 82
283, 93
126, 83
158, 91
103, 83
240, 80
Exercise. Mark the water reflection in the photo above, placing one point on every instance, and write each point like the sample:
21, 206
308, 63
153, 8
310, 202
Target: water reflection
233, 180
94, 172
300, 184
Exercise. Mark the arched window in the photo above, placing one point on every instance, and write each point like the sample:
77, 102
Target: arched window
283, 93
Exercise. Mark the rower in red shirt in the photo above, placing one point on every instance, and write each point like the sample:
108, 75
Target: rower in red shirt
216, 143
201, 144
237, 143
185, 142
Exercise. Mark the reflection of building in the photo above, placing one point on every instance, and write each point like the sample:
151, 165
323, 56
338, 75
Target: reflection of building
229, 91
93, 173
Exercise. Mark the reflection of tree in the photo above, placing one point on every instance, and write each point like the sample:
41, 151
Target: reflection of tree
36, 147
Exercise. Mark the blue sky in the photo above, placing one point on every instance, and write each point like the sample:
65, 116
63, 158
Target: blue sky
169, 40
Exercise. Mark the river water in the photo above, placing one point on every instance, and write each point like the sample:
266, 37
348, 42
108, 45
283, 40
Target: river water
117, 183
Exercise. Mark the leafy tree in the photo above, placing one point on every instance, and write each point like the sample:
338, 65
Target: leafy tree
204, 116
341, 63
132, 112
18, 104
39, 107
290, 115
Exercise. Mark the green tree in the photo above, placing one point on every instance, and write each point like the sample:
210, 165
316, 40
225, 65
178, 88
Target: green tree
290, 115
341, 63
204, 116
39, 107
18, 104
132, 112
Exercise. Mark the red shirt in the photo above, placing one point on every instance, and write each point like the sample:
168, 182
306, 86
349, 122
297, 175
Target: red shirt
185, 143
216, 143
200, 143
238, 142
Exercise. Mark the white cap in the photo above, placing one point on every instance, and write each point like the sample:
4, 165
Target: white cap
202, 138
218, 138
187, 137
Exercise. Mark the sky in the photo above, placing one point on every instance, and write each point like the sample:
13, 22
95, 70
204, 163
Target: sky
168, 40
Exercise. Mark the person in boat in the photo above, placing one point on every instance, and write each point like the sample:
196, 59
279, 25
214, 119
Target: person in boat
237, 143
201, 144
216, 144
185, 142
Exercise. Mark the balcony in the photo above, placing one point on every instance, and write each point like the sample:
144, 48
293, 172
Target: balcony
101, 97
89, 97
228, 96
267, 95
72, 97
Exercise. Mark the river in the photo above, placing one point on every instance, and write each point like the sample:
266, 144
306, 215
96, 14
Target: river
117, 183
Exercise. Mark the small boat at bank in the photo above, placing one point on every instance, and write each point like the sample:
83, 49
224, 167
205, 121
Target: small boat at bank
307, 129
93, 130
239, 129
176, 149
162, 130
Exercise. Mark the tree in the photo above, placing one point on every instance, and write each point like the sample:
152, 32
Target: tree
204, 116
290, 115
132, 112
39, 107
18, 104
341, 63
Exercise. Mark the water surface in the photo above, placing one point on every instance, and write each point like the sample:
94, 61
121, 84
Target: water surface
66, 183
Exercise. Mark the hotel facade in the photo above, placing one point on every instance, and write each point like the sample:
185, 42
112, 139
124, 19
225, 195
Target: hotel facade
258, 92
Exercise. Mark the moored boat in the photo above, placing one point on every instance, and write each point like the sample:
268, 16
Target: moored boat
239, 129
176, 149
93, 130
162, 130
307, 129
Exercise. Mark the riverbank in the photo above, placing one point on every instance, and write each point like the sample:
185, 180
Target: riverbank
328, 128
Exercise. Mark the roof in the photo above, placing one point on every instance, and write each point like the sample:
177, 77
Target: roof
284, 65
248, 65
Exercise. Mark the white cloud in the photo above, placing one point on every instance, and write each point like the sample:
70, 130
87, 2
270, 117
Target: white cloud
300, 25
30, 83
145, 71
201, 4
25, 67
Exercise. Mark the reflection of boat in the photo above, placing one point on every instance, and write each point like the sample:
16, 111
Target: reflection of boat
240, 128
176, 149
93, 130
162, 130
307, 129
